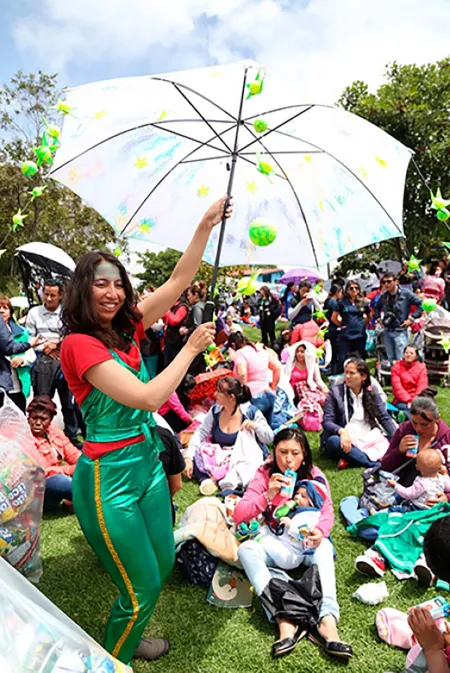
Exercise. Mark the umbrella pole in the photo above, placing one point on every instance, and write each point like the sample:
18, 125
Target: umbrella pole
210, 305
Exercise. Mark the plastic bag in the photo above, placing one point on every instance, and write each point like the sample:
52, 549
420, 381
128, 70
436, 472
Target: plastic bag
22, 487
36, 637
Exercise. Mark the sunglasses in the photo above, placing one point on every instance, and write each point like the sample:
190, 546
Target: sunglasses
387, 282
354, 287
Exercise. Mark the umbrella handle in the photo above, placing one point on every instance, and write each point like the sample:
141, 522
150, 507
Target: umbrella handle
208, 312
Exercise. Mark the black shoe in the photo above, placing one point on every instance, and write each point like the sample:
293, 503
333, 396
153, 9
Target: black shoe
282, 647
334, 648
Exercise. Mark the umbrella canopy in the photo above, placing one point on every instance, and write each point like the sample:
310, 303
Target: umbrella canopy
296, 275
19, 302
151, 153
47, 256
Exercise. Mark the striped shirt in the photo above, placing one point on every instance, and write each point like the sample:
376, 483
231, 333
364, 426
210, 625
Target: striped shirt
45, 323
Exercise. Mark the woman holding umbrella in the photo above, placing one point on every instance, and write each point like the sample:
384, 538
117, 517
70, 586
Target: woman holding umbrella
120, 493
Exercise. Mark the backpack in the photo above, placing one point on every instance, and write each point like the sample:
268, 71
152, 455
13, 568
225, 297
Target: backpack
197, 564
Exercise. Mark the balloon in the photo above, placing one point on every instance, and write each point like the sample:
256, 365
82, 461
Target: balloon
262, 232
29, 168
260, 125
429, 305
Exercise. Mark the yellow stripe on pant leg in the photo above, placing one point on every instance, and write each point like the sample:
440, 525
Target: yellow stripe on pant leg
116, 559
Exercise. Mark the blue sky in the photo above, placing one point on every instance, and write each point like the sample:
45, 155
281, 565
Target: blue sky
318, 46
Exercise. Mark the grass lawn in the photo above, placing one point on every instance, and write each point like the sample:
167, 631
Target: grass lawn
205, 639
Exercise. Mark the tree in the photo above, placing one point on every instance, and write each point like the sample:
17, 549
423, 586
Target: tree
158, 267
413, 107
59, 216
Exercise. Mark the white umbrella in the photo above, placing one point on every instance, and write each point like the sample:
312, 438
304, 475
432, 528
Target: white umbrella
150, 153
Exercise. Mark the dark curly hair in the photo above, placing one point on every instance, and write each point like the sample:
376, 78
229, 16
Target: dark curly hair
42, 404
305, 469
78, 315
371, 413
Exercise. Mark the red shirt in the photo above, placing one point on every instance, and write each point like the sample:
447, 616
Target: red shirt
80, 352
58, 454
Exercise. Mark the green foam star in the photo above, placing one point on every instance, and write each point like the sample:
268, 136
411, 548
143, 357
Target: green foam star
320, 314
63, 108
43, 152
444, 341
18, 219
413, 264
438, 202
255, 87
36, 192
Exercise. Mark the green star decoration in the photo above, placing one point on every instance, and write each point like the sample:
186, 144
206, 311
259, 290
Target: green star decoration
444, 341
18, 219
438, 202
36, 192
413, 264
63, 108
255, 87
320, 314
43, 152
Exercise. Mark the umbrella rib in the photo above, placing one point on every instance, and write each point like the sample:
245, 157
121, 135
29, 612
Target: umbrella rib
294, 193
189, 154
324, 151
245, 154
201, 116
197, 93
290, 107
275, 128
136, 128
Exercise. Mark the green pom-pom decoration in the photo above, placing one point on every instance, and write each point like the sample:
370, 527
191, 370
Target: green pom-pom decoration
262, 232
443, 215
260, 125
117, 252
29, 168
429, 305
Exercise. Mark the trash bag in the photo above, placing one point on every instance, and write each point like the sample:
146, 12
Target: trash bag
297, 601
36, 636
22, 487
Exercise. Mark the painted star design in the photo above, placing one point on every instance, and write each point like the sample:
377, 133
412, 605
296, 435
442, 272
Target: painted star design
202, 191
141, 162
382, 162
252, 186
308, 158
320, 205
363, 173
99, 114
74, 175
162, 115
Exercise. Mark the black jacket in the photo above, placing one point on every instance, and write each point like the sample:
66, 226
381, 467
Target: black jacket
8, 347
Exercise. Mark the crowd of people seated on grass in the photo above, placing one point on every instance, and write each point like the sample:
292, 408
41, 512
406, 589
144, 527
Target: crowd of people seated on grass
231, 414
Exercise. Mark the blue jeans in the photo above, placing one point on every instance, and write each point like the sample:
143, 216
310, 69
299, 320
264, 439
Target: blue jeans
402, 406
353, 457
57, 487
258, 565
395, 343
265, 402
352, 513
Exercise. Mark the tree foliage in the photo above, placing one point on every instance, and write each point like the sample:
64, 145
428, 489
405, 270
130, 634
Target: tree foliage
414, 107
158, 266
59, 216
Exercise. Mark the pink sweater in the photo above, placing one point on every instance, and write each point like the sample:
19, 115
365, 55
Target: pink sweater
254, 501
174, 404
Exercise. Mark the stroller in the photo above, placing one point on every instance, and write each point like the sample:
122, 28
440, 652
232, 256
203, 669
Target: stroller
382, 366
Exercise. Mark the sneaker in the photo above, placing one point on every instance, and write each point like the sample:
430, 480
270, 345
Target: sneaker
423, 574
208, 487
342, 464
151, 649
371, 563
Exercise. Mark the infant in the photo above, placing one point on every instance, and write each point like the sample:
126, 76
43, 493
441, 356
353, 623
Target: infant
430, 483
298, 517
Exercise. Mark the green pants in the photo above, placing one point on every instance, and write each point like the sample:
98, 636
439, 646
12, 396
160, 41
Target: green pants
123, 505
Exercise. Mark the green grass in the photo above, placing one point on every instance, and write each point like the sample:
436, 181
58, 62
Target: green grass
205, 639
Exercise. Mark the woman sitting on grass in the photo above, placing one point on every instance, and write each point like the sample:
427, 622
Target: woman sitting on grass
264, 496
354, 418
409, 378
58, 455
309, 390
209, 457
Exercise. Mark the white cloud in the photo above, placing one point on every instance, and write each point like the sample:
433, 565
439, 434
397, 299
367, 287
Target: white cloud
317, 47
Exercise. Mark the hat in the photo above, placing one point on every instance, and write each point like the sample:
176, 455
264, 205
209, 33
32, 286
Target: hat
316, 490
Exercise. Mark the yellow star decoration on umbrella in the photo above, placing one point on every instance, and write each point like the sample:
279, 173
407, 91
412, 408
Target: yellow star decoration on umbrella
363, 172
162, 115
252, 186
308, 158
141, 162
382, 162
74, 175
202, 191
99, 114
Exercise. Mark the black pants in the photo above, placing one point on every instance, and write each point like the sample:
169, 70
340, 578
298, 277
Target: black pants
268, 331
334, 338
176, 423
350, 347
46, 379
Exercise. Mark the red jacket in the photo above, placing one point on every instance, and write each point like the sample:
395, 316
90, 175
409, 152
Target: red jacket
58, 454
408, 380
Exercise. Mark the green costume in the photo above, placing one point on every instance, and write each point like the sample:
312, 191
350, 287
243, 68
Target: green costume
400, 535
123, 505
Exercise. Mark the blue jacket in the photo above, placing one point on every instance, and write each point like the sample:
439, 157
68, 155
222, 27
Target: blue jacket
400, 304
8, 347
334, 412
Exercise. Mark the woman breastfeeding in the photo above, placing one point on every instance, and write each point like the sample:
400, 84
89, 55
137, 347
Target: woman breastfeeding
210, 457
120, 492
264, 495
